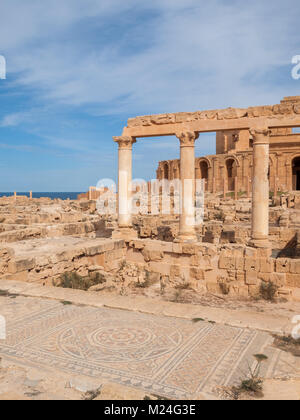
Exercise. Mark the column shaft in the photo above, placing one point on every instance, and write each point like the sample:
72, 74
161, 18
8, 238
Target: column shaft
260, 188
187, 178
124, 181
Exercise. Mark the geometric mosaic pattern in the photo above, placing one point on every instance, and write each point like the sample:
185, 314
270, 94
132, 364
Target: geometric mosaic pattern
166, 356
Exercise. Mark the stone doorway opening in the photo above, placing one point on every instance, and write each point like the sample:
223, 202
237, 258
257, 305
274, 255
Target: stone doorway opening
166, 171
231, 172
203, 172
296, 174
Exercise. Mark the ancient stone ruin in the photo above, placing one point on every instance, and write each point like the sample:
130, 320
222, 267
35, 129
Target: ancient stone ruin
249, 238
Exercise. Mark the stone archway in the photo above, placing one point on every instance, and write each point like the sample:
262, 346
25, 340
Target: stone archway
203, 169
296, 173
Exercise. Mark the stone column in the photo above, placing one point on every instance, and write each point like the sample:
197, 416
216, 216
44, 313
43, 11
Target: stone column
210, 181
124, 184
215, 176
260, 188
224, 181
187, 231
289, 175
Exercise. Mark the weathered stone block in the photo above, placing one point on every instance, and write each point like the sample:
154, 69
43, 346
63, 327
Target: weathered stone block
240, 276
264, 253
226, 261
240, 263
175, 271
295, 266
189, 249
177, 248
203, 262
42, 261
266, 265
250, 252
196, 273
150, 255
293, 280
161, 268
251, 264
213, 287
278, 278
260, 111
283, 109
21, 264
266, 277
282, 265
251, 278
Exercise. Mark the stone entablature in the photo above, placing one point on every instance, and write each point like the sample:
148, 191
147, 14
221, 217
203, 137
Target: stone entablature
287, 107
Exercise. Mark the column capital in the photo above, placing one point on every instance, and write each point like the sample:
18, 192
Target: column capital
125, 142
260, 135
187, 138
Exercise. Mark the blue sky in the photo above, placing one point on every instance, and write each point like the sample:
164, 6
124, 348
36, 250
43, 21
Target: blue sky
78, 69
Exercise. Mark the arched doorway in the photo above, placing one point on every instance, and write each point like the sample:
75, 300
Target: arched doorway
296, 174
204, 172
166, 171
231, 173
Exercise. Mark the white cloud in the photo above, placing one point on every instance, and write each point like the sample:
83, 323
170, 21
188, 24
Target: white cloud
197, 55
12, 120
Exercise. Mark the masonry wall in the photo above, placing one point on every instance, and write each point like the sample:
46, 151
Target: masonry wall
236, 269
46, 269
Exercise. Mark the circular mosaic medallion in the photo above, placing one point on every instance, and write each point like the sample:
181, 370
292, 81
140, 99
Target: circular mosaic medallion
107, 340
116, 338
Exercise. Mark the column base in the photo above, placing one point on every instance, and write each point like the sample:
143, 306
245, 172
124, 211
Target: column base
186, 238
260, 243
124, 233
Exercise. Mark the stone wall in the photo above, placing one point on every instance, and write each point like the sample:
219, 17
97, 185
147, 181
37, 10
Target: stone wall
231, 269
59, 257
236, 269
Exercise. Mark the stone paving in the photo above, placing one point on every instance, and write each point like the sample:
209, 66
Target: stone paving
171, 357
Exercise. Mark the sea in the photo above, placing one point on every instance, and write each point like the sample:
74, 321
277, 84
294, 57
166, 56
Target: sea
52, 195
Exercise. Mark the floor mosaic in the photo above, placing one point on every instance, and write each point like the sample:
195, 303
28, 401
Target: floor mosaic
166, 356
